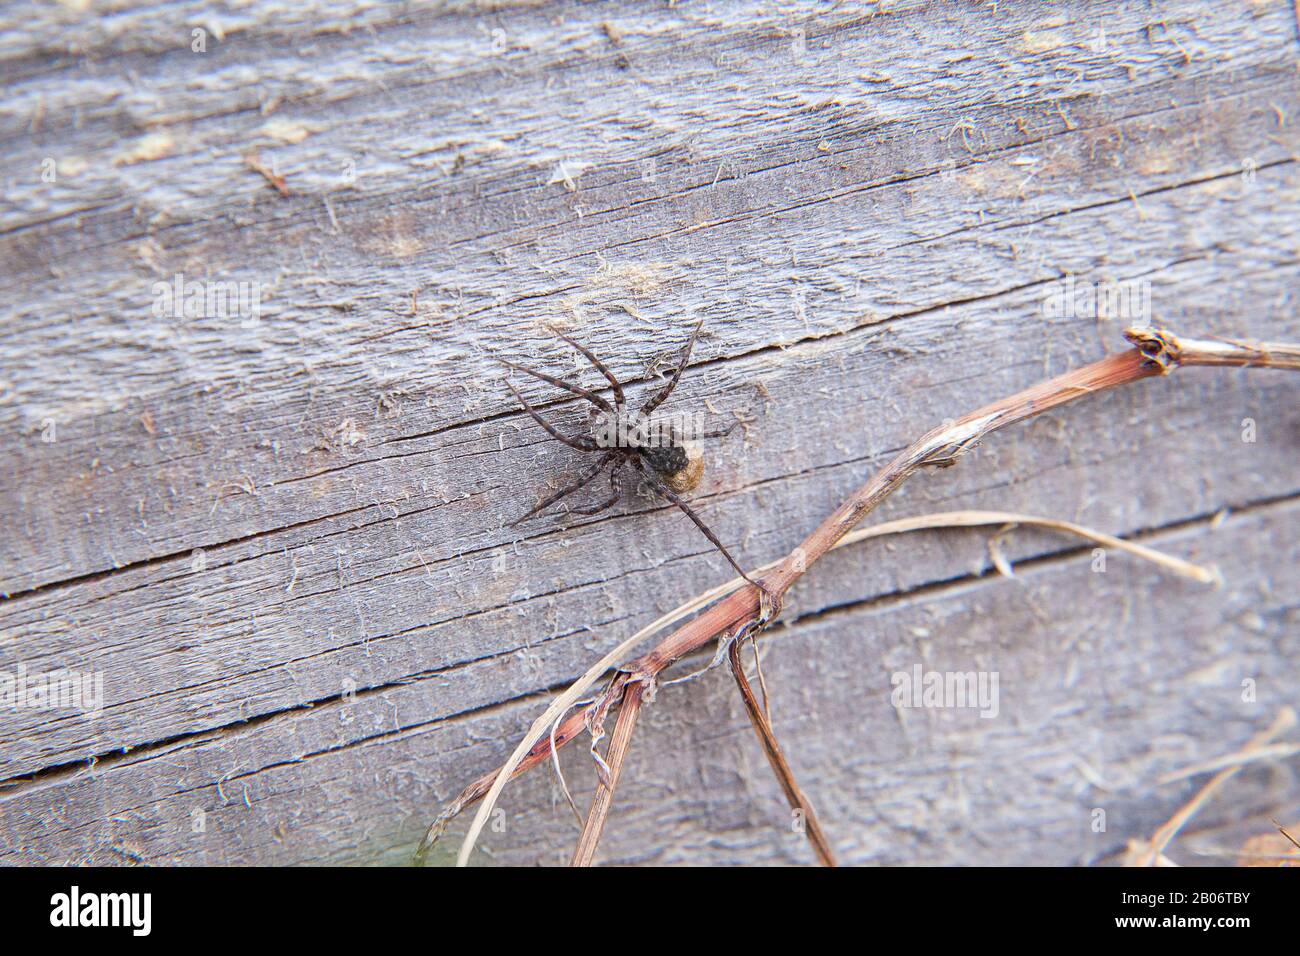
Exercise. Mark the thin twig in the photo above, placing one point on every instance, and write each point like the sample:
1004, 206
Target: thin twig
254, 162
799, 803
1282, 830
1152, 853
603, 798
1156, 352
1271, 752
975, 519
1168, 350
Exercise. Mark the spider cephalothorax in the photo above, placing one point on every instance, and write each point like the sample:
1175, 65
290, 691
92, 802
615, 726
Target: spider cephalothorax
664, 451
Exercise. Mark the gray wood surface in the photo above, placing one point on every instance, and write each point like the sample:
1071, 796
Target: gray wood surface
287, 547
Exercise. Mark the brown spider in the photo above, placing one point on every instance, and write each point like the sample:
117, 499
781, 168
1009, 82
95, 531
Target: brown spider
662, 452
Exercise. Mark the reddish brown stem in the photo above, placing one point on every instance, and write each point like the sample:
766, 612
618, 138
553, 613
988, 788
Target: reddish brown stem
569, 728
1156, 352
603, 798
799, 803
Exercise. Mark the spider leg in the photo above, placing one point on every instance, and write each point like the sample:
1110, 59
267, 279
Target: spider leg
600, 367
719, 433
582, 444
676, 499
578, 390
608, 502
568, 489
658, 397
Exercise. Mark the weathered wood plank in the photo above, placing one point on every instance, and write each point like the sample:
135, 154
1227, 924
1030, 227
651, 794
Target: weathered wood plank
368, 600
1106, 682
829, 244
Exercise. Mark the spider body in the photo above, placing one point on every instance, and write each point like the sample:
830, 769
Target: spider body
681, 465
663, 452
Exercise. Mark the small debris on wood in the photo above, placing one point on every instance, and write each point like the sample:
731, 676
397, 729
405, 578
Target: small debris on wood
254, 162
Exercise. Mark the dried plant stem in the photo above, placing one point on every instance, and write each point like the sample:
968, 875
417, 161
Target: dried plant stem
793, 793
1282, 830
565, 728
1152, 853
1270, 752
530, 751
603, 798
1156, 352
1169, 350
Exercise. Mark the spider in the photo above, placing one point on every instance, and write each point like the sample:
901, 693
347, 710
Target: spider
669, 461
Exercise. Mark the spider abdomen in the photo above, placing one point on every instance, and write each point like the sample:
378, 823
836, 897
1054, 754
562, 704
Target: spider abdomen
681, 465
